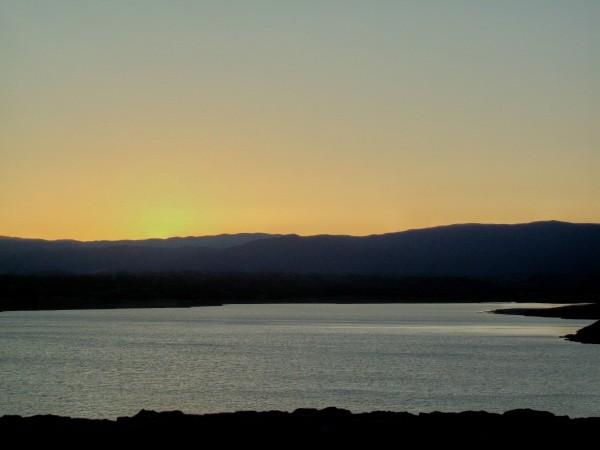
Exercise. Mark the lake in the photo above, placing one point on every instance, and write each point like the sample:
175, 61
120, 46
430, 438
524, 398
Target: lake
401, 357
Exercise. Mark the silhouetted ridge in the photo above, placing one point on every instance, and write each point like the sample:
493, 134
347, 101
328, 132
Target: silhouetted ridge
469, 250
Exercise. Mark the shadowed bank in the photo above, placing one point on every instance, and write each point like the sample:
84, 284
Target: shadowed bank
310, 426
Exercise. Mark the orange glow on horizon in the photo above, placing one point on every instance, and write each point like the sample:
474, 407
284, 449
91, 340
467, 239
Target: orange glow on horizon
303, 119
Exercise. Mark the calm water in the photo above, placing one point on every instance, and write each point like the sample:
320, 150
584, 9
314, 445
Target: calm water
105, 363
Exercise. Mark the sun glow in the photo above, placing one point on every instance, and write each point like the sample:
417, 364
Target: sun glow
163, 221
295, 117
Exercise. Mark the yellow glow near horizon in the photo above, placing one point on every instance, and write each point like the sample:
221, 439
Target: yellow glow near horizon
186, 119
165, 222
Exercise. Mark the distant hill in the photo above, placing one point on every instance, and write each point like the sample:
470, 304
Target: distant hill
468, 250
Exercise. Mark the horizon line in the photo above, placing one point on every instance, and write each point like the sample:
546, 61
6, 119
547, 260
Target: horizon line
242, 233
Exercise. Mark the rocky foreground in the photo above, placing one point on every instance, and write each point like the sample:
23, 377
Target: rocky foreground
308, 426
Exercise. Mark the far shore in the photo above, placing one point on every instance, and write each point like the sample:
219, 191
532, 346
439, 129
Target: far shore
69, 304
184, 290
588, 311
580, 311
584, 311
64, 291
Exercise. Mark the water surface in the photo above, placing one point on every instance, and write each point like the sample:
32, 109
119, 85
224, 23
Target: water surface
403, 357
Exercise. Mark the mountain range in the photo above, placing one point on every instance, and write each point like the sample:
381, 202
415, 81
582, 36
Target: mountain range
464, 250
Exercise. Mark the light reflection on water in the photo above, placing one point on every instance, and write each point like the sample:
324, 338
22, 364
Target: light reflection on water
407, 357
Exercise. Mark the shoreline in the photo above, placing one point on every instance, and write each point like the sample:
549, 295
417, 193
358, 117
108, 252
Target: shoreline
582, 311
588, 311
309, 425
66, 305
176, 289
585, 311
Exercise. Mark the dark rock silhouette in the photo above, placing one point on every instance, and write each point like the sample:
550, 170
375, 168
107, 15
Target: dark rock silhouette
587, 335
310, 426
578, 311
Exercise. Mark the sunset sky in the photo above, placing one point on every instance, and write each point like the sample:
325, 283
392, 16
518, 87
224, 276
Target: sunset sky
132, 119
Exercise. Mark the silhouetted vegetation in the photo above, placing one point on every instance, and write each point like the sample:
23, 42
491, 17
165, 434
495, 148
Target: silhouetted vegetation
69, 291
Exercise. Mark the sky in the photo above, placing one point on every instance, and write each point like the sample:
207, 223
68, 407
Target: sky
134, 119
